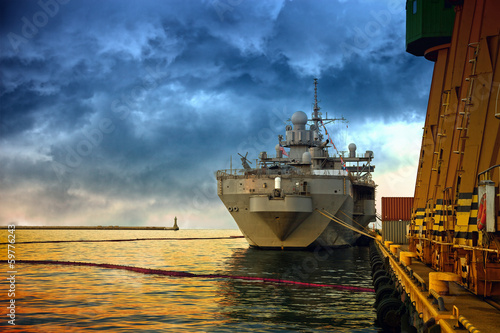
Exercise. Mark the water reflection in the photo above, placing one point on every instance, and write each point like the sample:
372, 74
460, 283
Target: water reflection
55, 298
295, 307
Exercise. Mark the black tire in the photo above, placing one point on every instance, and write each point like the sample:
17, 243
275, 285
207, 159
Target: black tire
376, 266
379, 273
384, 292
374, 259
382, 281
388, 315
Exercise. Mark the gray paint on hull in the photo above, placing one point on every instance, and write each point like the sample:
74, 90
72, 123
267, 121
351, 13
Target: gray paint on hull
258, 221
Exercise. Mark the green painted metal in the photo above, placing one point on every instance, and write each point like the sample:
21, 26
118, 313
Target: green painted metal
428, 23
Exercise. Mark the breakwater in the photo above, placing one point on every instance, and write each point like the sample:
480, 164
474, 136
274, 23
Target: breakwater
112, 227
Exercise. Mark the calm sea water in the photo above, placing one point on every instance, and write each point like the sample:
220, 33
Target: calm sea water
55, 298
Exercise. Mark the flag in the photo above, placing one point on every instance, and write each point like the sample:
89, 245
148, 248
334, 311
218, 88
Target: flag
343, 163
283, 150
331, 141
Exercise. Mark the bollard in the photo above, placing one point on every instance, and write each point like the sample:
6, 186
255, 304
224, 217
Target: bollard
439, 281
394, 248
405, 257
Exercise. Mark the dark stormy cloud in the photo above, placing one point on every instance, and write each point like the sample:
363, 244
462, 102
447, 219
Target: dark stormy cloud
119, 112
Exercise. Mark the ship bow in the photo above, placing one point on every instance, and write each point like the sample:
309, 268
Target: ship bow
282, 215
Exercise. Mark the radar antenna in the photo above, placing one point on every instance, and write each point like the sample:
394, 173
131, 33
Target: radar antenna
316, 117
316, 107
245, 161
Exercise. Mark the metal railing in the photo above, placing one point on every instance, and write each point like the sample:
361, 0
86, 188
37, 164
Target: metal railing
261, 172
286, 172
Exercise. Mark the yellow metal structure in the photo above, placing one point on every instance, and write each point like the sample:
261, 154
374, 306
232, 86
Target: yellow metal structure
436, 299
455, 220
448, 276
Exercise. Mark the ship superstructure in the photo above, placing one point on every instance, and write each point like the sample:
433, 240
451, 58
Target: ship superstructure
302, 197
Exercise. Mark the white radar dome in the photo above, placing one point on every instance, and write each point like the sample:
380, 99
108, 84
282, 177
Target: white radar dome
352, 150
299, 118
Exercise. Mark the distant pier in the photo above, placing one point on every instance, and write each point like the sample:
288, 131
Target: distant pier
112, 227
99, 227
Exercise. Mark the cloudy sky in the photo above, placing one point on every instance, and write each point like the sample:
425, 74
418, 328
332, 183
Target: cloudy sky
120, 112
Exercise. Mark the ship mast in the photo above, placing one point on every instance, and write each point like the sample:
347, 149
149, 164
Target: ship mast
316, 115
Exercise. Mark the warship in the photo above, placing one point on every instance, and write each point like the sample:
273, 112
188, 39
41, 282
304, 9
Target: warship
304, 197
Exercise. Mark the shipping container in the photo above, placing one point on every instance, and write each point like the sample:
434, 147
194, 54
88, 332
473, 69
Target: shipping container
396, 208
395, 231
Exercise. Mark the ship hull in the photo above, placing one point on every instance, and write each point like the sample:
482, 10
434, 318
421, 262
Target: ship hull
293, 219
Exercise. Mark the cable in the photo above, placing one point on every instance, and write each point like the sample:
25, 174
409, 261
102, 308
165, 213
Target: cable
342, 223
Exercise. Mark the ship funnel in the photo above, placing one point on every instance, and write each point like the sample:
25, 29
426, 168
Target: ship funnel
352, 150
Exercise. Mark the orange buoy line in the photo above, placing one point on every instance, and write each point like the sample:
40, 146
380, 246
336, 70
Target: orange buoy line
122, 240
187, 274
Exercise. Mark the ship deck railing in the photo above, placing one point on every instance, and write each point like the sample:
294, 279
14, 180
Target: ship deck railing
268, 172
229, 173
259, 172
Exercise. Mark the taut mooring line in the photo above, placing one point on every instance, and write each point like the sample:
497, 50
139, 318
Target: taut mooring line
187, 274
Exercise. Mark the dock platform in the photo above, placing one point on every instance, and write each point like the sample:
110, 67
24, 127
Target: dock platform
453, 310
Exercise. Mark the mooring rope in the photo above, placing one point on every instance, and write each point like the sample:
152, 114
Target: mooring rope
365, 229
342, 223
123, 240
187, 274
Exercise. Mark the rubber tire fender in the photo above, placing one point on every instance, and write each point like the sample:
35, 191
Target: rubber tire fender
382, 281
379, 273
377, 266
387, 313
384, 292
